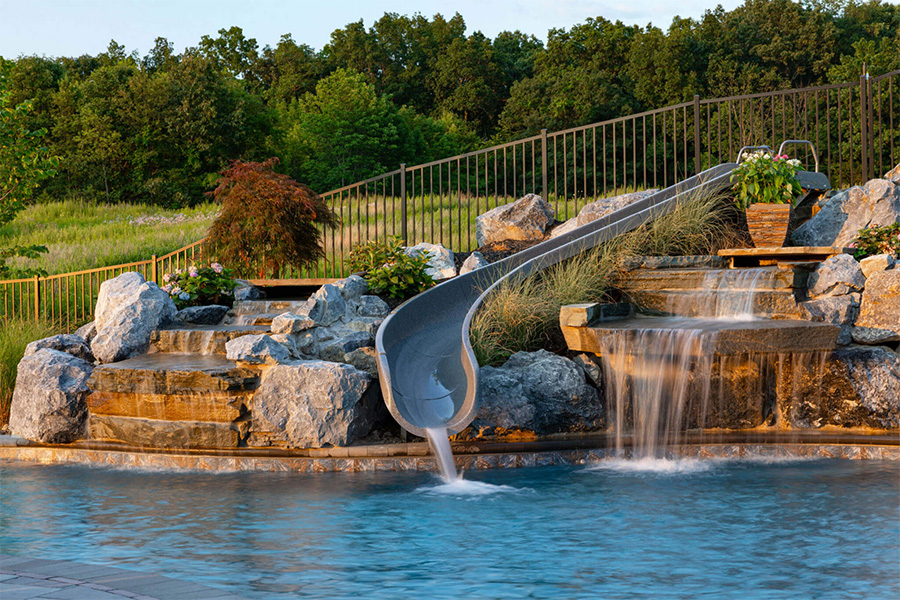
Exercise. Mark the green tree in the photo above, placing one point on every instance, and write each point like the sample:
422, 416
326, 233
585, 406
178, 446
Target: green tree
24, 163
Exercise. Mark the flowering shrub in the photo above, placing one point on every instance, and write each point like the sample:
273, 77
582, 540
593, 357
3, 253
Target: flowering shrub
877, 240
763, 178
389, 269
200, 286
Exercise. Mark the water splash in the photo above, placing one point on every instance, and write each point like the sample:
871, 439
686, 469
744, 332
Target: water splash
467, 488
660, 466
440, 445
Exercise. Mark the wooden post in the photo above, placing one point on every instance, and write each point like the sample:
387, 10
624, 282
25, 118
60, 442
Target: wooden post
154, 270
37, 298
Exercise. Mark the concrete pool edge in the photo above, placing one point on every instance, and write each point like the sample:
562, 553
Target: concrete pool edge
468, 455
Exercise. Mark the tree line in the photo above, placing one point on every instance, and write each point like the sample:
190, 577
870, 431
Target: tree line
159, 128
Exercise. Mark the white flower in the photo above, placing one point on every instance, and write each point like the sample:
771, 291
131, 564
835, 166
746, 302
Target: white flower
179, 271
184, 296
167, 277
176, 291
794, 162
167, 288
216, 267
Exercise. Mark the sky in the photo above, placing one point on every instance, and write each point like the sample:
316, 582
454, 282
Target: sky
75, 27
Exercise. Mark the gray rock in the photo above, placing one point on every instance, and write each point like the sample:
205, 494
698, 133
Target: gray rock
203, 315
352, 287
49, 403
128, 310
859, 387
838, 310
336, 348
256, 349
325, 306
880, 309
309, 341
879, 262
311, 404
525, 219
368, 324
836, 276
440, 260
247, 291
87, 332
475, 261
564, 228
539, 392
364, 359
875, 204
893, 174
372, 306
289, 343
68, 343
591, 369
604, 206
290, 323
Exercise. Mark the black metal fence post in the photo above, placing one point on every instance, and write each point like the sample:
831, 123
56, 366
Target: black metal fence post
697, 166
403, 201
544, 164
863, 129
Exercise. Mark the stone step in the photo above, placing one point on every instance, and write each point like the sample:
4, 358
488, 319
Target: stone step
258, 307
166, 434
254, 319
772, 304
174, 374
200, 339
766, 278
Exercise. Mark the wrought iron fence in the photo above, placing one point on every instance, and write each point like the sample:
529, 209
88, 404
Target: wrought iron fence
854, 126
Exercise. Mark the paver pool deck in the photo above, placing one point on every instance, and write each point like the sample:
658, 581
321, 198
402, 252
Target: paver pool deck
24, 578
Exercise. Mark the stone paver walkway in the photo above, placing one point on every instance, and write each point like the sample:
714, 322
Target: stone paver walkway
23, 578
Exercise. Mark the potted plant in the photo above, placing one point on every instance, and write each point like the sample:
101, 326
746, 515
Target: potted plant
765, 187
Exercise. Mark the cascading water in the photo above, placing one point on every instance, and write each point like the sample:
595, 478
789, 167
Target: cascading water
440, 445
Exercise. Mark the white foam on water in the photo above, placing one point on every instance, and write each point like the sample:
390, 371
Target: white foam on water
467, 488
773, 460
661, 466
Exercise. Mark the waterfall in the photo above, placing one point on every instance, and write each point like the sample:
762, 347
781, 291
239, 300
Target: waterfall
440, 445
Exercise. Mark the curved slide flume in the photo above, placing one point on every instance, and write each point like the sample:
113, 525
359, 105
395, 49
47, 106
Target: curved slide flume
426, 365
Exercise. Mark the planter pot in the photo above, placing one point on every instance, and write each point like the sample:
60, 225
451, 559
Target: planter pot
769, 224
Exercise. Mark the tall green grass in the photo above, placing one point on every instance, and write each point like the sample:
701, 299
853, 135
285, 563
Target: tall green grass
14, 336
524, 315
81, 235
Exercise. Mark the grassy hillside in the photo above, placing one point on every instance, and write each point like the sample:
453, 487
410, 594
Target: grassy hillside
82, 235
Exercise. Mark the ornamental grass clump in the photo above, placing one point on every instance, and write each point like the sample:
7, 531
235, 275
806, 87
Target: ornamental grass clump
268, 220
523, 315
762, 178
200, 286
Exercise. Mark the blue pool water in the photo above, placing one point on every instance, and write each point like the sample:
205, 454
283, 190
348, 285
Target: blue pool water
712, 529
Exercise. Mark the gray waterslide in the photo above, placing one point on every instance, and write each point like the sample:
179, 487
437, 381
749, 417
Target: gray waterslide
428, 371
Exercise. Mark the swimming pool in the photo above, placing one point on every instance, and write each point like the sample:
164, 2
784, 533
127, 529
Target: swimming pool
677, 529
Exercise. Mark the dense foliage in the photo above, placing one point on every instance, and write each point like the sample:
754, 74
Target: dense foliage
765, 179
159, 128
24, 163
200, 286
877, 240
268, 220
390, 270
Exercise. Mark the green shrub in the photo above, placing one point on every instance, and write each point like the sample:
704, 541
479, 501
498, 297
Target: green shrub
390, 270
877, 240
14, 336
200, 286
763, 178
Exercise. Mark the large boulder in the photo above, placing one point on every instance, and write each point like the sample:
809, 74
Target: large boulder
311, 404
877, 203
837, 310
525, 219
324, 307
540, 392
858, 386
247, 291
879, 262
351, 288
879, 313
87, 332
372, 307
49, 403
129, 309
290, 323
68, 343
836, 276
440, 260
604, 206
256, 349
